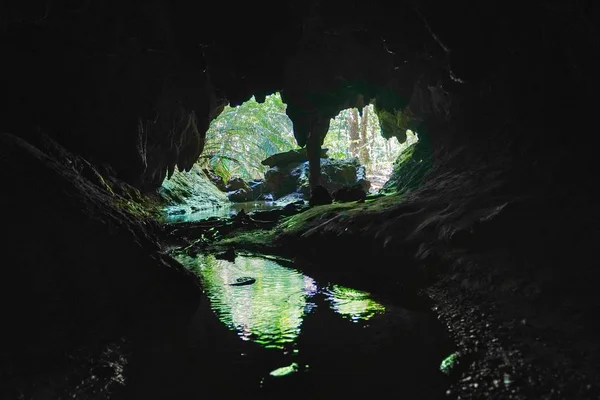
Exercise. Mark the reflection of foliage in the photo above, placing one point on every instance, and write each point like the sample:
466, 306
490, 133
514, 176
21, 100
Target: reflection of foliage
270, 311
353, 304
241, 137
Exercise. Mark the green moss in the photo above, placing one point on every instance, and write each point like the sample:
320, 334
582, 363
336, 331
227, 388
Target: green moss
410, 168
250, 239
297, 224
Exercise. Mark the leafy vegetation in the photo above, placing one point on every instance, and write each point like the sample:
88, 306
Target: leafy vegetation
241, 137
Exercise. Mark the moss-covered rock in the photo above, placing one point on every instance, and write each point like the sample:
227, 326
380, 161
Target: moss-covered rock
410, 169
190, 190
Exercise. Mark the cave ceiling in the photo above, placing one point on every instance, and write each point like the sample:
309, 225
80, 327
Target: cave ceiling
135, 85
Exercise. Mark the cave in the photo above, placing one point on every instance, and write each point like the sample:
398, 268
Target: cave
470, 276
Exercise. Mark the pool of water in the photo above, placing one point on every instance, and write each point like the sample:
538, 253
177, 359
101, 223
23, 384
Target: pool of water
287, 335
271, 310
183, 213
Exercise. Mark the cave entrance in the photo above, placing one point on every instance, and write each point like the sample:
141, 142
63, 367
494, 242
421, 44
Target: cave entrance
254, 162
355, 133
241, 137
253, 149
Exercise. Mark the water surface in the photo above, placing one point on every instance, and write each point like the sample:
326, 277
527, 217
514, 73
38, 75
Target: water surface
270, 311
187, 214
289, 336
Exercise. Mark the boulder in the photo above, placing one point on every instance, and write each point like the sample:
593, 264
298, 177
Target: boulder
350, 193
281, 181
319, 196
240, 195
335, 174
289, 157
235, 183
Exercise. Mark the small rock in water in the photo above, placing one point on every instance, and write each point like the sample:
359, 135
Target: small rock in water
179, 211
245, 280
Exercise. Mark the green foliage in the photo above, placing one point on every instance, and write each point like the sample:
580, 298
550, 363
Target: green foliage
382, 152
411, 167
241, 137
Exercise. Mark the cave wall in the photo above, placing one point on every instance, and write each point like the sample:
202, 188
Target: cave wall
135, 85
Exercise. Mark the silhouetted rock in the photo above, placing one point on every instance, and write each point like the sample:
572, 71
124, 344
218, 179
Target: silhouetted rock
77, 269
289, 157
319, 196
243, 281
335, 174
349, 193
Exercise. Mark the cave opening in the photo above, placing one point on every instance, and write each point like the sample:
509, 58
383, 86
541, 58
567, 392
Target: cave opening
252, 156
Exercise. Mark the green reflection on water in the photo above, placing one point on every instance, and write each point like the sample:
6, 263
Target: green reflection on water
270, 311
353, 304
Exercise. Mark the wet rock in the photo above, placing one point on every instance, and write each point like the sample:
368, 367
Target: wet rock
243, 281
320, 196
350, 193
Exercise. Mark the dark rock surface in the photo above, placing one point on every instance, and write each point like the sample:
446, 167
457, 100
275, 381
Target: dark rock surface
235, 183
240, 195
289, 157
319, 196
295, 177
281, 181
336, 174
349, 193
78, 271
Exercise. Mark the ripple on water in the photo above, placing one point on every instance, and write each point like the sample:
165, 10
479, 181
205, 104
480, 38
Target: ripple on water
271, 310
